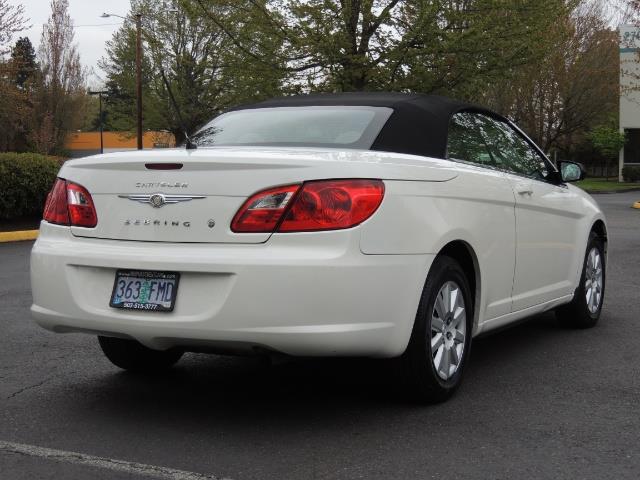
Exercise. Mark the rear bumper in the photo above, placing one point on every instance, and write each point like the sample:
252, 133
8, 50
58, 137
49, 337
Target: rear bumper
299, 294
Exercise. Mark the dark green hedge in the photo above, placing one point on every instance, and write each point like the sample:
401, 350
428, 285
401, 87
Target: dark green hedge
631, 173
25, 181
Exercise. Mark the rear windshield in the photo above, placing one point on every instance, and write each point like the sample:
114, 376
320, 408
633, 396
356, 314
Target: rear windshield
333, 127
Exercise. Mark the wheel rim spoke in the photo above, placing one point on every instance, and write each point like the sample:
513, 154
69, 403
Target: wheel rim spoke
445, 363
437, 358
455, 360
440, 308
453, 299
436, 341
459, 317
446, 294
458, 337
437, 325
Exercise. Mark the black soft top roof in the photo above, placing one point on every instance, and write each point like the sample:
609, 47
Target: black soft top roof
418, 125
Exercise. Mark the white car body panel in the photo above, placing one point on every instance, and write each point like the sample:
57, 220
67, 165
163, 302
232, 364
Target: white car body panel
476, 207
299, 294
226, 177
344, 292
550, 240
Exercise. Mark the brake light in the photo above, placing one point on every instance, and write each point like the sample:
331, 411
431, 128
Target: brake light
163, 166
316, 205
263, 211
70, 204
55, 209
332, 205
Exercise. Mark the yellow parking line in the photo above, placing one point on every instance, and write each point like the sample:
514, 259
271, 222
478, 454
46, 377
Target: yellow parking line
18, 236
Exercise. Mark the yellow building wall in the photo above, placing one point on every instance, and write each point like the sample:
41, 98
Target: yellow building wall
88, 141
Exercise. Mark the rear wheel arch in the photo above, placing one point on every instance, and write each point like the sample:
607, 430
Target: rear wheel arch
465, 255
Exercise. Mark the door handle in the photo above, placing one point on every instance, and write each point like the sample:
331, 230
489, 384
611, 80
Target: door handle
524, 188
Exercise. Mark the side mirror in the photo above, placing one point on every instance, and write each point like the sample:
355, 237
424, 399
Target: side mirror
571, 171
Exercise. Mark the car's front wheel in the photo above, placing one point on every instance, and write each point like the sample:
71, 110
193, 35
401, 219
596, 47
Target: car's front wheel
441, 339
584, 310
133, 356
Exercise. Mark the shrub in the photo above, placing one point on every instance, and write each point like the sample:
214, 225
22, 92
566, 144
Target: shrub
631, 173
25, 181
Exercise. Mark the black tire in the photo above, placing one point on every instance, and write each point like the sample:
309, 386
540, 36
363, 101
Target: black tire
577, 313
417, 364
133, 356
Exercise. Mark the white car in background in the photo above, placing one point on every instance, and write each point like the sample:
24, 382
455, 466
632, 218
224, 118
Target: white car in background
379, 225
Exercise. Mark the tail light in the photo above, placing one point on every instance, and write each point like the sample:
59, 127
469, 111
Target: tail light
312, 206
263, 211
55, 209
70, 204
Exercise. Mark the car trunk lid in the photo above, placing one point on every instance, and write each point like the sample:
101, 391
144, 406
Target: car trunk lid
196, 197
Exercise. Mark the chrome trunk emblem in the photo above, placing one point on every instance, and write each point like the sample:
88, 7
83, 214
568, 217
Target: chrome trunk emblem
157, 200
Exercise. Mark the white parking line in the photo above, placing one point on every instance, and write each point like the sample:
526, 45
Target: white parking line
100, 462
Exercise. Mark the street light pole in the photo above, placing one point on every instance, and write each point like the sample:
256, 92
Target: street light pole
100, 93
139, 76
138, 17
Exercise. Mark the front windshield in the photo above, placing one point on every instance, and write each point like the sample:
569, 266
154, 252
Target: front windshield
334, 127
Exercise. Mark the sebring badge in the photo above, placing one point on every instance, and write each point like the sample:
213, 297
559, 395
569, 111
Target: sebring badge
156, 222
158, 200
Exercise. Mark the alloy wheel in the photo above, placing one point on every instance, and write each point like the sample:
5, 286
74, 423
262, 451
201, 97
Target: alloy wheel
593, 282
448, 330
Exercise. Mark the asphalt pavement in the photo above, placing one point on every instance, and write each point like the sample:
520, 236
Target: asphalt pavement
538, 401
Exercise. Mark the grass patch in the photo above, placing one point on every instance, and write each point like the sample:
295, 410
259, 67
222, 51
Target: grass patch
602, 185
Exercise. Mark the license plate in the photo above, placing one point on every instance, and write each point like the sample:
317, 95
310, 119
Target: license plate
143, 290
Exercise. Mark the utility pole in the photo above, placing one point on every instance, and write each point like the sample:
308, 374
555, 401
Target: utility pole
100, 93
139, 76
138, 17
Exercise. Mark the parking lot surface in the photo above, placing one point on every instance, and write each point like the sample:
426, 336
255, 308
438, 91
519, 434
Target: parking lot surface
538, 401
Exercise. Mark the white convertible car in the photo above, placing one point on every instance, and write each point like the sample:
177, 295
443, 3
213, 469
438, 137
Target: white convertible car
380, 225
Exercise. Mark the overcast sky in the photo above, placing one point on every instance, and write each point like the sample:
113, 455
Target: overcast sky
91, 31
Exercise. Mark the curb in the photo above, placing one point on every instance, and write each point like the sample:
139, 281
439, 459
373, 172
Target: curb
18, 236
609, 192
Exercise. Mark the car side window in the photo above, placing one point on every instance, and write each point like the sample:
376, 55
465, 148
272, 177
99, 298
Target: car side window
466, 142
512, 151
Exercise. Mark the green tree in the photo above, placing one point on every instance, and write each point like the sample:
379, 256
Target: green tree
608, 139
455, 47
60, 95
18, 75
14, 111
13, 105
207, 74
23, 59
12, 21
558, 97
